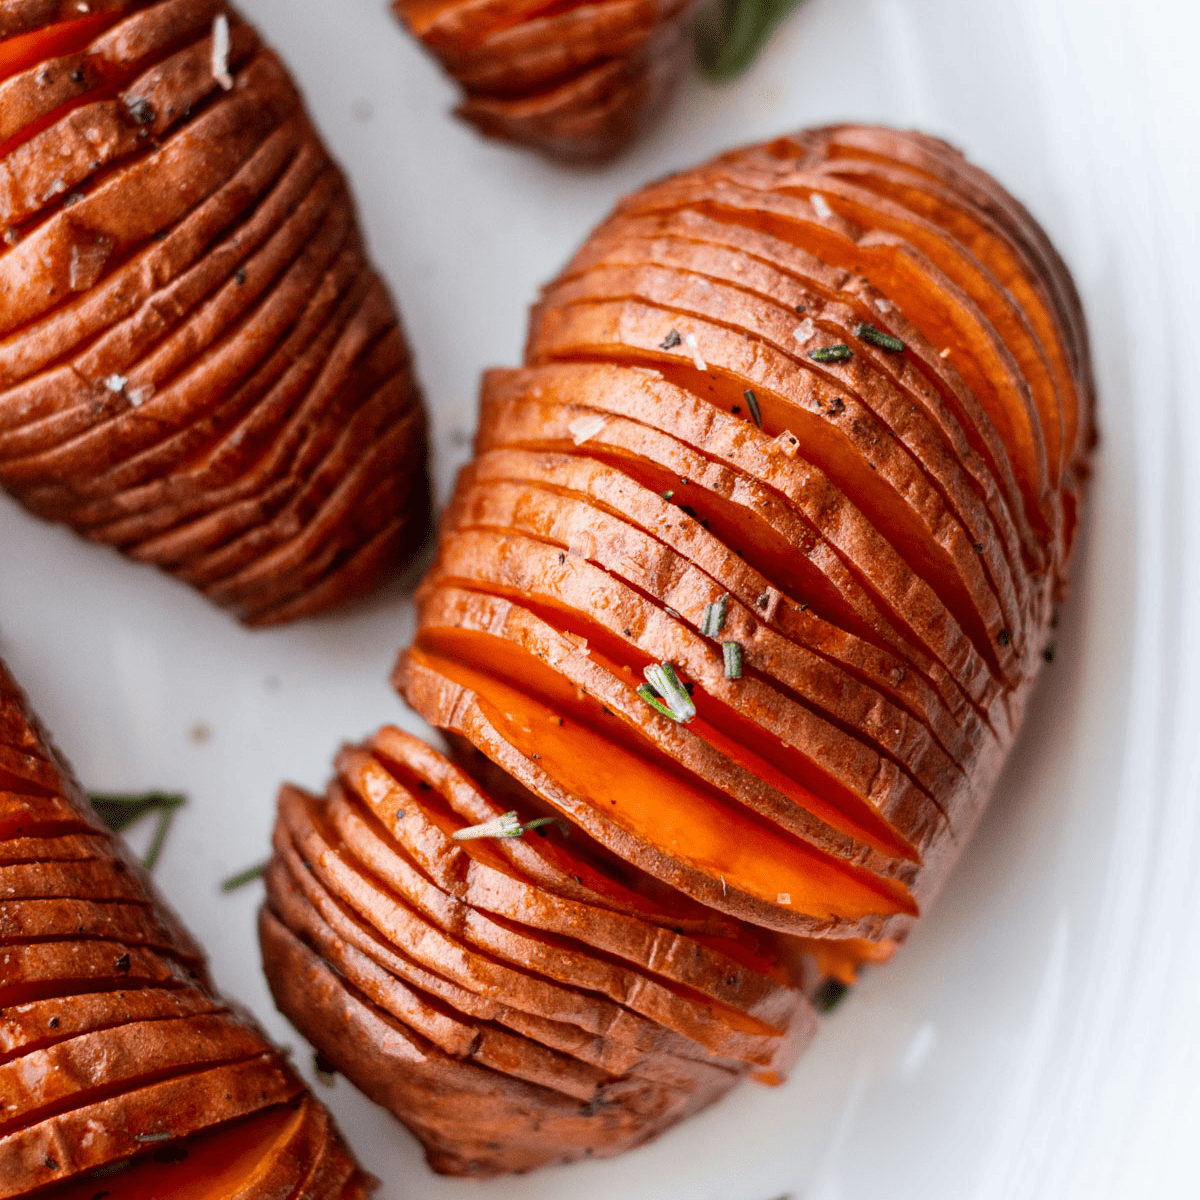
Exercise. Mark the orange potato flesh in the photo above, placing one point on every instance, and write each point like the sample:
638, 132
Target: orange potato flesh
27, 50
834, 423
665, 810
943, 313
824, 772
230, 1164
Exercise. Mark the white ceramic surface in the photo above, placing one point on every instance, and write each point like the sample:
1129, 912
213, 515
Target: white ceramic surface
1037, 1038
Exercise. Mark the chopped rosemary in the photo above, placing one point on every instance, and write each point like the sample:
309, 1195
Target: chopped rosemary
885, 341
119, 811
755, 411
733, 659
829, 995
670, 341
506, 826
249, 875
838, 353
675, 701
714, 617
669, 494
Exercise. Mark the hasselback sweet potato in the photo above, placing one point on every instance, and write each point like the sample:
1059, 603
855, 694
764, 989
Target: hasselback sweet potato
810, 424
748, 584
198, 364
117, 1056
514, 1002
575, 81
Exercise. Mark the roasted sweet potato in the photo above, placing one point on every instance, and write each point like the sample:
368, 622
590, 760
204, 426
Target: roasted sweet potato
840, 375
450, 977
575, 81
748, 584
194, 349
117, 1054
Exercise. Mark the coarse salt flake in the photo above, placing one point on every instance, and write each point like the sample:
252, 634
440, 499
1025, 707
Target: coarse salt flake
583, 428
693, 346
945, 353
884, 305
220, 51
820, 206
804, 331
784, 898
116, 383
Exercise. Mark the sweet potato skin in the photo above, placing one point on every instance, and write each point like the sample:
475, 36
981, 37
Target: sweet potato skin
116, 1045
577, 84
193, 346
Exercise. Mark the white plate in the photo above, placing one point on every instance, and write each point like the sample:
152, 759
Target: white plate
1037, 1038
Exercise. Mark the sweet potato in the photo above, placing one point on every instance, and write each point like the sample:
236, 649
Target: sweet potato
576, 82
115, 1051
510, 973
799, 440
190, 334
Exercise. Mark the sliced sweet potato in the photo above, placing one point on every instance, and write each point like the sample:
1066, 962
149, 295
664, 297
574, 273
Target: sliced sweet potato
960, 735
635, 807
934, 303
619, 1048
485, 972
821, 768
880, 474
574, 81
639, 563
769, 267
509, 1124
177, 336
511, 926
542, 860
764, 504
114, 1049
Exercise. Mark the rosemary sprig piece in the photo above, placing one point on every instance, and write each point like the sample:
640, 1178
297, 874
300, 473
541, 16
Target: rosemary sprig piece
249, 875
714, 617
507, 825
733, 659
755, 411
838, 353
669, 696
730, 34
885, 341
120, 810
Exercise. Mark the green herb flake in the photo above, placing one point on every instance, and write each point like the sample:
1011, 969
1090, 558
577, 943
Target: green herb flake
714, 617
885, 341
120, 810
827, 354
829, 995
755, 411
242, 878
507, 825
733, 659
666, 693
